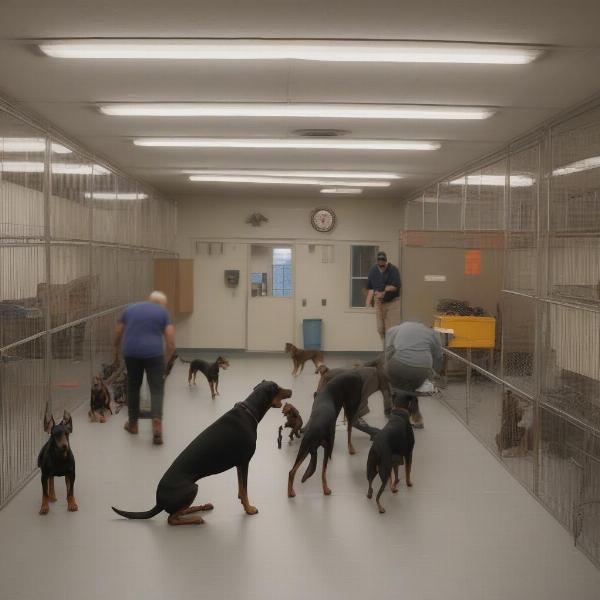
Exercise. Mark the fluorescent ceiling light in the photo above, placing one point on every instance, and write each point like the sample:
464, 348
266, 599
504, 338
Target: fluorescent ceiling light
115, 196
275, 109
57, 168
286, 180
29, 145
586, 164
341, 191
316, 174
299, 49
494, 180
313, 143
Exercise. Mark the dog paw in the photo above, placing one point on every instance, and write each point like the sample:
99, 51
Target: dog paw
291, 494
72, 506
370, 494
409, 483
394, 490
44, 509
351, 450
327, 491
251, 510
52, 498
208, 506
381, 510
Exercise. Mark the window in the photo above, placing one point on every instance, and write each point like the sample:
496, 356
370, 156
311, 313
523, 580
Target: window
362, 259
282, 272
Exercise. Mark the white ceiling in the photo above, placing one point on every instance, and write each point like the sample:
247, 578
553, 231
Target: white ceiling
65, 92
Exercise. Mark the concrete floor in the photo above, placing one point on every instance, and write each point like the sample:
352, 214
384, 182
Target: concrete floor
466, 530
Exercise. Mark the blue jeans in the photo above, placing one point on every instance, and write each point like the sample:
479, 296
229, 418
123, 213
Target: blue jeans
155, 374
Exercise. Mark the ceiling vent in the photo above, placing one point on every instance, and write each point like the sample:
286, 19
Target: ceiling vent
321, 133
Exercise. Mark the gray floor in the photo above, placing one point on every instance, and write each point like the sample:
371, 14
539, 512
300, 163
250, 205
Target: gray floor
466, 530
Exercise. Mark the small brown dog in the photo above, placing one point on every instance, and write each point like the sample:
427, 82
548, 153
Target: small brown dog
300, 356
293, 420
99, 400
512, 435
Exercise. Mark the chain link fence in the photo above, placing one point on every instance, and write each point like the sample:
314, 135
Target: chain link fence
77, 243
534, 398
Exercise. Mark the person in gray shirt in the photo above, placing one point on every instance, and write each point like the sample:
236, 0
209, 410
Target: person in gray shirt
413, 352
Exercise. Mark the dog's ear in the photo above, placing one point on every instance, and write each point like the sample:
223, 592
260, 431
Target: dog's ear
68, 421
48, 423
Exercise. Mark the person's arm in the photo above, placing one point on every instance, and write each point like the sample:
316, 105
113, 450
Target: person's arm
118, 336
394, 283
169, 334
437, 353
369, 300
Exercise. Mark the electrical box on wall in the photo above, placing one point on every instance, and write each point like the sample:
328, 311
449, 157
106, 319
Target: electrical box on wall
232, 277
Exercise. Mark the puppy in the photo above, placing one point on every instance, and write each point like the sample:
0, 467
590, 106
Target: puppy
300, 356
393, 445
293, 420
229, 442
344, 390
99, 400
56, 460
210, 371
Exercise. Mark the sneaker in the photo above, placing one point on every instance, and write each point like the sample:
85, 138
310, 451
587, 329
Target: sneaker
131, 427
157, 432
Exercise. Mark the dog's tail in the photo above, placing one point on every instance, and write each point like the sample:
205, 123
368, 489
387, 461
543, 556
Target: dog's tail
139, 515
183, 360
312, 466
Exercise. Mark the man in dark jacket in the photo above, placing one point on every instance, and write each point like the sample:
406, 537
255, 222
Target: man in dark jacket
383, 284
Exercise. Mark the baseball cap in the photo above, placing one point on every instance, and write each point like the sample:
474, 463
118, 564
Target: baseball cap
381, 256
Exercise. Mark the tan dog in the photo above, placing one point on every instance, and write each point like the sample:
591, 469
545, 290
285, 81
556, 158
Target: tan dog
300, 356
293, 420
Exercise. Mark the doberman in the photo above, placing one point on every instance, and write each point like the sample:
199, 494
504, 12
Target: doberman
392, 446
371, 383
229, 442
512, 434
300, 356
344, 390
293, 420
99, 400
211, 372
56, 460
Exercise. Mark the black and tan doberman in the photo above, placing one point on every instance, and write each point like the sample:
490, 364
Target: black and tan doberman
344, 390
229, 442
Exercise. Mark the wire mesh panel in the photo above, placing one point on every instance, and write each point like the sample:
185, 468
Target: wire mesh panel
430, 209
571, 362
484, 197
22, 308
450, 205
414, 214
22, 403
70, 185
22, 153
518, 341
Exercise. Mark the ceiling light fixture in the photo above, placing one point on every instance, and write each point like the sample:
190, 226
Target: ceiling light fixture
114, 196
341, 191
286, 181
494, 180
298, 143
304, 110
317, 174
56, 168
586, 164
293, 49
9, 145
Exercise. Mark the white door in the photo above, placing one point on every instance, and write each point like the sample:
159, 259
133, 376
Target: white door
270, 297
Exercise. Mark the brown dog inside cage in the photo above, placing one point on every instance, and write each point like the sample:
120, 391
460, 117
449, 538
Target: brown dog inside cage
513, 435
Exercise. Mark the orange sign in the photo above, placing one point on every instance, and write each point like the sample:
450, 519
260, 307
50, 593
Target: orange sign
473, 262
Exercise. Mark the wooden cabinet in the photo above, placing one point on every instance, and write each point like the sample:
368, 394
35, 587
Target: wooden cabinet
175, 277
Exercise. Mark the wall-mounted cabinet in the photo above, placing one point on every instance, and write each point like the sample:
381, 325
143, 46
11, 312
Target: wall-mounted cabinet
175, 277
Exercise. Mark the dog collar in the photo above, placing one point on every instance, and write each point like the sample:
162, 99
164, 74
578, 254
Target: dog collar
246, 407
401, 411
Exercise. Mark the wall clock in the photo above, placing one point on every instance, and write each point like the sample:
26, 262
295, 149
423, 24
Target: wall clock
323, 219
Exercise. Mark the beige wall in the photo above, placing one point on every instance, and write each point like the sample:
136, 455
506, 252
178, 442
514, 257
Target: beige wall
220, 314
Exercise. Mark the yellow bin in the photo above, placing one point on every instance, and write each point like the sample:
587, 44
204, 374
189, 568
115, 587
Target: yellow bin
469, 332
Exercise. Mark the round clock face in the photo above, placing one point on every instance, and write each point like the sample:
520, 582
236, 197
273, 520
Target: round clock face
323, 219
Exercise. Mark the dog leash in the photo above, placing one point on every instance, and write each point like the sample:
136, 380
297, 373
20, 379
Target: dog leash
247, 408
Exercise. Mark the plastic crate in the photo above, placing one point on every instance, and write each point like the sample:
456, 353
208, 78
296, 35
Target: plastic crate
469, 332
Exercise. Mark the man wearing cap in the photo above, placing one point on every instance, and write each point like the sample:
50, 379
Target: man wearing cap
383, 284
